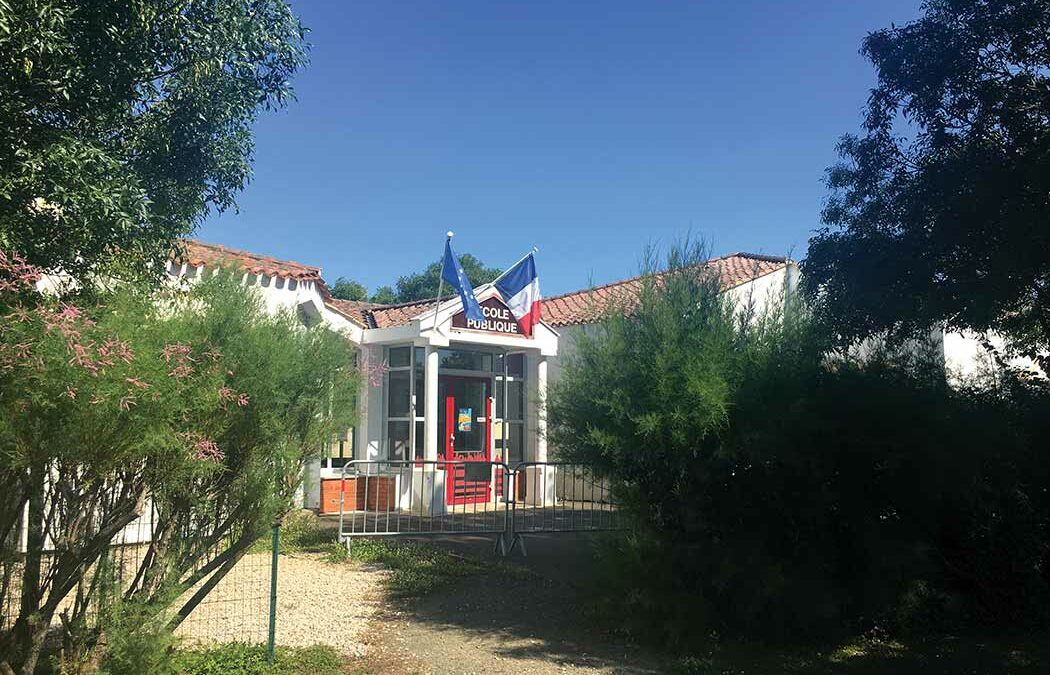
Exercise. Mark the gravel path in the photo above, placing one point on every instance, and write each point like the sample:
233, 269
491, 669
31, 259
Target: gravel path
529, 621
317, 603
517, 623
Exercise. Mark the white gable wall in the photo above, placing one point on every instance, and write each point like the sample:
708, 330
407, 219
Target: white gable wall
759, 294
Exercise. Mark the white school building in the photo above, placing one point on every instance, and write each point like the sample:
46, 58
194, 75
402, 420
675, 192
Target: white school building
439, 387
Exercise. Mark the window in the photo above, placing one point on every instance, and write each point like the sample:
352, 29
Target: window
399, 393
405, 403
398, 439
516, 365
461, 359
339, 451
399, 357
515, 399
510, 406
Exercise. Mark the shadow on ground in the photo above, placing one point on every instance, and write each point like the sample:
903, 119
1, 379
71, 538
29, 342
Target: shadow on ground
524, 616
530, 615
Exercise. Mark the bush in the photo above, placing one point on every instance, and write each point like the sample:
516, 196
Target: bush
418, 569
199, 400
244, 659
303, 531
782, 492
135, 642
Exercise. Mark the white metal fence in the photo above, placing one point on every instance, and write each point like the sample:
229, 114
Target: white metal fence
418, 498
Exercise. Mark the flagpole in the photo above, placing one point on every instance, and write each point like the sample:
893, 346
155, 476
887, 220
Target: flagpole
441, 277
504, 273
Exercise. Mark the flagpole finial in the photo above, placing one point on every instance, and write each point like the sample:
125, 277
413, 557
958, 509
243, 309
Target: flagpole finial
450, 234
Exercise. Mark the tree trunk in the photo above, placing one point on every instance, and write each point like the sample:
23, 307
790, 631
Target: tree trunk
23, 642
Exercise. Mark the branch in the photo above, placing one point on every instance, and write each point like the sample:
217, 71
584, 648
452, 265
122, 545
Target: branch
65, 577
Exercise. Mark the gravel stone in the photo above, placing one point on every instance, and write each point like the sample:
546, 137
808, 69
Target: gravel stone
318, 602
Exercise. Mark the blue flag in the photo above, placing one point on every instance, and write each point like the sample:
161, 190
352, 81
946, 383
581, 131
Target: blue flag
452, 272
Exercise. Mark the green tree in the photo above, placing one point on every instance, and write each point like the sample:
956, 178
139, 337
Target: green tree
198, 400
384, 295
348, 289
776, 490
424, 285
937, 213
123, 123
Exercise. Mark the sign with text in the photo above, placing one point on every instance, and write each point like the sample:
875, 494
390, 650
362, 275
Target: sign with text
465, 421
498, 319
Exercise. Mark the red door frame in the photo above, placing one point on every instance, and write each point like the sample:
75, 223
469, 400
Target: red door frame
478, 494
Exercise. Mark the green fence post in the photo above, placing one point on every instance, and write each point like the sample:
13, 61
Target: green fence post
271, 639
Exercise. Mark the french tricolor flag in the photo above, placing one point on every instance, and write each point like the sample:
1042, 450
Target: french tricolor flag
520, 288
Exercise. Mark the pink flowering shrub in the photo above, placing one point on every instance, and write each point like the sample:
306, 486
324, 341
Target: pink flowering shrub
209, 408
373, 371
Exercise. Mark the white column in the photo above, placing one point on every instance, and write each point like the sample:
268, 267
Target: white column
541, 409
540, 487
430, 426
428, 481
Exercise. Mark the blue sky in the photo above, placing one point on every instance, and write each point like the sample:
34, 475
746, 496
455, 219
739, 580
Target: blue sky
588, 129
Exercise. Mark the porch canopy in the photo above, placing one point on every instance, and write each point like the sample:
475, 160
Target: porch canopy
453, 388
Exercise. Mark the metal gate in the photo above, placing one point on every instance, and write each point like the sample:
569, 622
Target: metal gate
389, 497
561, 497
418, 498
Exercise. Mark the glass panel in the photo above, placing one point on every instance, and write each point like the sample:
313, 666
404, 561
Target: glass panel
340, 455
516, 400
340, 451
515, 442
420, 440
421, 358
399, 357
398, 394
396, 439
516, 365
461, 359
421, 394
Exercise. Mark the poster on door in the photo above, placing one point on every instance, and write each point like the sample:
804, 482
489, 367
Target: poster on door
465, 420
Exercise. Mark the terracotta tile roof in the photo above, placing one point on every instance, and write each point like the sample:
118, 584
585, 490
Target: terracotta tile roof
197, 253
356, 311
399, 315
584, 306
587, 306
374, 315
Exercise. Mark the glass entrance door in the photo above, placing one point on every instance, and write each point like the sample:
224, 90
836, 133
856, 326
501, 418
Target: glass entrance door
466, 430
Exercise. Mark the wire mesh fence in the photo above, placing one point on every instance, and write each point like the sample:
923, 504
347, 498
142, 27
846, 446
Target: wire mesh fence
236, 609
377, 498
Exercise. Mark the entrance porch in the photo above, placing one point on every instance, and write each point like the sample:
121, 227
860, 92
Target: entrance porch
464, 396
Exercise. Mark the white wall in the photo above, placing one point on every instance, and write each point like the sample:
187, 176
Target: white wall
276, 293
763, 292
758, 294
966, 359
